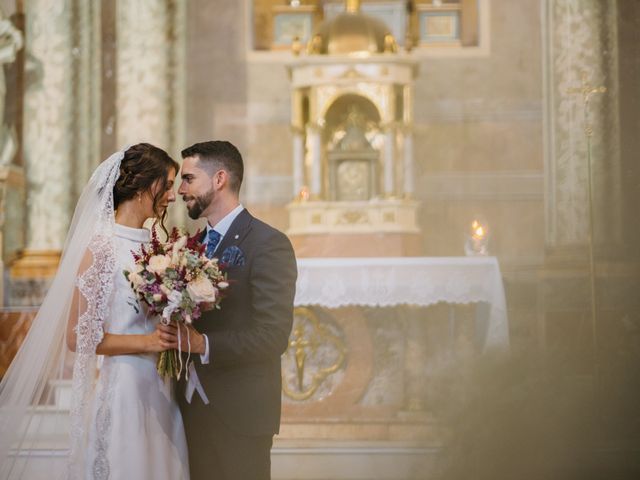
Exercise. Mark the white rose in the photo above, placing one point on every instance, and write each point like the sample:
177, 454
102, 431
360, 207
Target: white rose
157, 297
135, 279
223, 285
158, 264
201, 290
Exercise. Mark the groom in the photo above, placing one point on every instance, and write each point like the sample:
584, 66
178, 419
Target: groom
235, 386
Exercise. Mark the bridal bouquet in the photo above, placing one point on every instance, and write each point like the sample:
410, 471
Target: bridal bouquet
178, 282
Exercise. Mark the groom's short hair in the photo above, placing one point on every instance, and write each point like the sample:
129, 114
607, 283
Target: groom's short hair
219, 154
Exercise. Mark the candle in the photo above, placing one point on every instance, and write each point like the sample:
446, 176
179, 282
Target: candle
303, 195
477, 239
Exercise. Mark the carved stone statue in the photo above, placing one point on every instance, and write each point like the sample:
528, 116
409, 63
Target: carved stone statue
10, 43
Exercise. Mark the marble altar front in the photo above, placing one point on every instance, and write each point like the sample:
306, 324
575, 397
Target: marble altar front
369, 335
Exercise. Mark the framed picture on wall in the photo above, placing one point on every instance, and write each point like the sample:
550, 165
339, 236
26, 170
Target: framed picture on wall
292, 22
438, 26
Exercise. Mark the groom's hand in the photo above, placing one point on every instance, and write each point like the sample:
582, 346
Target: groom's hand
169, 334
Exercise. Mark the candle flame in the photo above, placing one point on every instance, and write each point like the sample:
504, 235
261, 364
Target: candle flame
478, 231
303, 195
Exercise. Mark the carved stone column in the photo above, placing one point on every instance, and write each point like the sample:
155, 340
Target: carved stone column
87, 92
143, 65
407, 168
581, 40
61, 131
389, 161
581, 36
150, 65
48, 134
298, 161
315, 151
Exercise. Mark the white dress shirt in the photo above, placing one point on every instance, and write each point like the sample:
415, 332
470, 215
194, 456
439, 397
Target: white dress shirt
221, 227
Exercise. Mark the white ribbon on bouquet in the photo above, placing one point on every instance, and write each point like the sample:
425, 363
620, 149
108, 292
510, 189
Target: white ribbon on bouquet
193, 382
173, 303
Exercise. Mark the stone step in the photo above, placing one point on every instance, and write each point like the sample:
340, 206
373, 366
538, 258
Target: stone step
292, 459
324, 461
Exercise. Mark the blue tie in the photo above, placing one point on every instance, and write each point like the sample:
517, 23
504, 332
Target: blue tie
212, 242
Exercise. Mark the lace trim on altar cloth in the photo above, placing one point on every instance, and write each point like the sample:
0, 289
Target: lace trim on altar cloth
421, 281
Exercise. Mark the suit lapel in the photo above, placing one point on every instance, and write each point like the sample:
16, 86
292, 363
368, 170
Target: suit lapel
238, 229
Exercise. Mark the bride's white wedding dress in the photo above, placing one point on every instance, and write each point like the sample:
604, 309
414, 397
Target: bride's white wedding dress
136, 429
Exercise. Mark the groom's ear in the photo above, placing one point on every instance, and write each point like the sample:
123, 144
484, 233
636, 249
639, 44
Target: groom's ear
220, 179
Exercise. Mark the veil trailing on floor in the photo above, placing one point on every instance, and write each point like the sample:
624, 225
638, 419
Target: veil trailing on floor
71, 318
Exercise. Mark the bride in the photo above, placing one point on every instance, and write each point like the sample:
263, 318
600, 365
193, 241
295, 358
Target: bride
124, 421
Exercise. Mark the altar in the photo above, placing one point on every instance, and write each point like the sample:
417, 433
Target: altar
419, 281
369, 337
367, 331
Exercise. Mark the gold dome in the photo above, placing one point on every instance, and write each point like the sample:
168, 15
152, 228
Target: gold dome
351, 33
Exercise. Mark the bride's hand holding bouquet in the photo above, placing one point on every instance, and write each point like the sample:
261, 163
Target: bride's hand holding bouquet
177, 281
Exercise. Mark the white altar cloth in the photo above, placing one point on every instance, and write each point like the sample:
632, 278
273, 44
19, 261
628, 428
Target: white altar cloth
421, 281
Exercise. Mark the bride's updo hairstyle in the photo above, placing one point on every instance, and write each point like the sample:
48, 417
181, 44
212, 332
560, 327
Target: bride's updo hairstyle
142, 166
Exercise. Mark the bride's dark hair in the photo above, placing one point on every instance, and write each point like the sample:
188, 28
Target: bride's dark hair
142, 166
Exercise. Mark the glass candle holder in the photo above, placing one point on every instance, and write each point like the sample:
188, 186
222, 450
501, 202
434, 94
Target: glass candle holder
477, 241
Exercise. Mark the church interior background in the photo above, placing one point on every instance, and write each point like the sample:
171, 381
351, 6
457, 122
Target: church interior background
459, 179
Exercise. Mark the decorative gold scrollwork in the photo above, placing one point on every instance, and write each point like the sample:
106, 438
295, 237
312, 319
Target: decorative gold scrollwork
353, 217
309, 334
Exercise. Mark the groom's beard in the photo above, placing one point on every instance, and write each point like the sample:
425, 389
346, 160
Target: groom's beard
200, 204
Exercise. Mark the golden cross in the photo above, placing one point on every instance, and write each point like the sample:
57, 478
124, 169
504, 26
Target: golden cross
586, 90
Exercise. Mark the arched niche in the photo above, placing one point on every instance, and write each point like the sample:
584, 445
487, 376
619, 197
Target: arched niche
352, 142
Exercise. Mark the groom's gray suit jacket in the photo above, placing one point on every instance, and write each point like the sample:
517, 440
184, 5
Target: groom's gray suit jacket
248, 335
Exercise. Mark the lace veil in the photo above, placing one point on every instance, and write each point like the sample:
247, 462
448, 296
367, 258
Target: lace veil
75, 308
